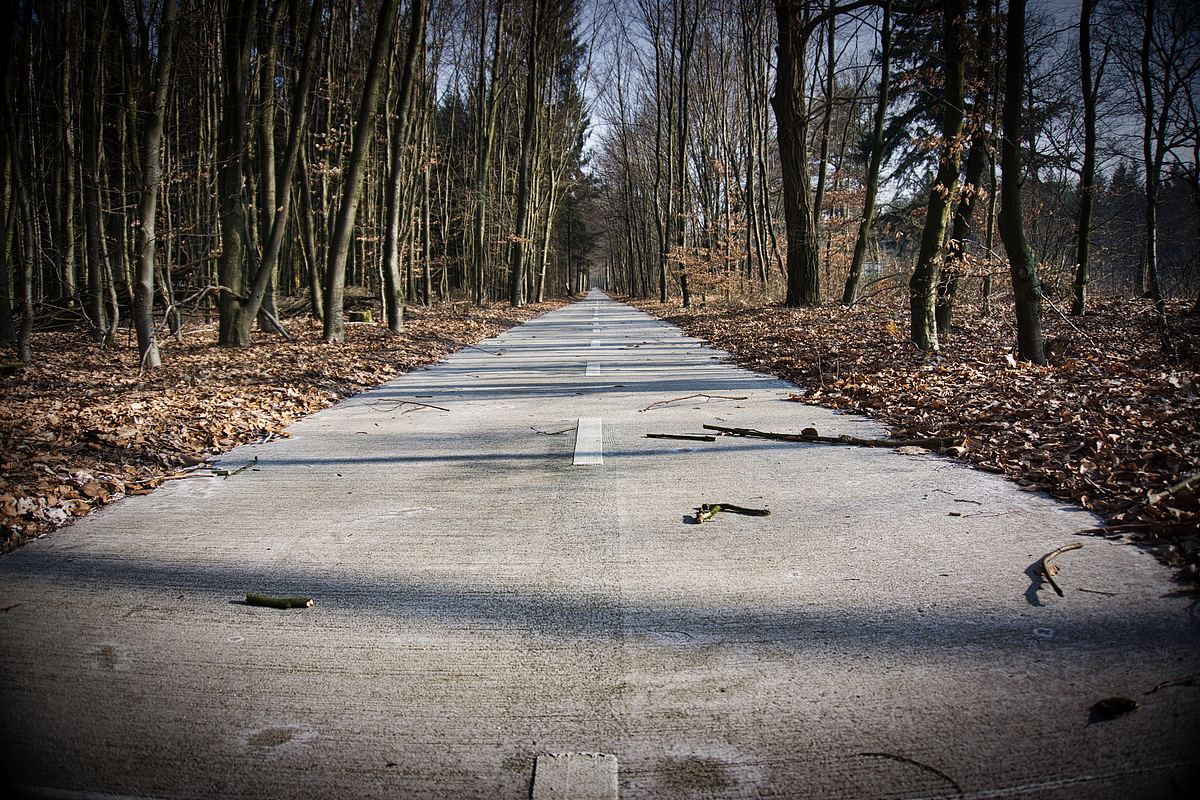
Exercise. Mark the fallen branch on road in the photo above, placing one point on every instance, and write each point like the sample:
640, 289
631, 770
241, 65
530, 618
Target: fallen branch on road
707, 511
415, 406
1048, 570
270, 601
687, 437
552, 433
939, 443
662, 403
225, 473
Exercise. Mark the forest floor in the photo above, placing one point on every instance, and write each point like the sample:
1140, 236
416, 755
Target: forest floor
1111, 424
81, 427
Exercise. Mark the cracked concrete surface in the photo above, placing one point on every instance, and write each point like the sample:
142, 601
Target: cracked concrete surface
482, 600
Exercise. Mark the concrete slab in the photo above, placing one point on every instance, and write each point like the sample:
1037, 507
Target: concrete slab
480, 601
589, 442
575, 776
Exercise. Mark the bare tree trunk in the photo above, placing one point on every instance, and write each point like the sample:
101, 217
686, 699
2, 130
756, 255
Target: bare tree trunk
1089, 85
972, 185
8, 332
267, 182
90, 124
67, 244
308, 237
826, 119
687, 38
923, 284
339, 249
791, 115
426, 256
516, 275
1023, 268
231, 147
14, 135
485, 143
28, 251
876, 159
143, 287
393, 286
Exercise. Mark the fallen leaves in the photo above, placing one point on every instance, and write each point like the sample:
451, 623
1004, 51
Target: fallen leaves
81, 428
1111, 425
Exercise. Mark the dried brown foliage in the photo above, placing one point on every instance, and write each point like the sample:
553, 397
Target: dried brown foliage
80, 427
1110, 425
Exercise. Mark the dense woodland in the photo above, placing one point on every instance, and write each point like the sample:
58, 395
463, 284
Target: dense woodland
170, 162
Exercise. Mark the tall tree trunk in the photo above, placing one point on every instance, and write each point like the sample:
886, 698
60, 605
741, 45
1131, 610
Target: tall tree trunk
8, 333
1153, 150
96, 26
28, 251
143, 287
308, 238
339, 248
426, 202
1087, 187
20, 62
485, 143
850, 293
393, 286
923, 284
267, 182
231, 148
972, 185
516, 275
1022, 267
687, 39
826, 119
67, 244
264, 273
791, 116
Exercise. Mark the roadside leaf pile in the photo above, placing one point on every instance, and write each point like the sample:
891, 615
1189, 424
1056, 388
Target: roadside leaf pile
80, 428
1112, 424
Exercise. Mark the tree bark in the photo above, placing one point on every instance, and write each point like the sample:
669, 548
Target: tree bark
143, 287
516, 275
8, 332
1022, 267
14, 136
231, 147
339, 248
393, 286
96, 26
923, 284
972, 186
485, 144
961, 229
67, 244
268, 202
876, 159
1087, 188
791, 115
826, 119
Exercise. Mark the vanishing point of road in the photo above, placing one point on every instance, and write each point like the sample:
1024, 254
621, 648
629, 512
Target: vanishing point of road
505, 576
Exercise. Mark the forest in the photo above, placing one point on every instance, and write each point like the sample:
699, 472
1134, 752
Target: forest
169, 160
242, 175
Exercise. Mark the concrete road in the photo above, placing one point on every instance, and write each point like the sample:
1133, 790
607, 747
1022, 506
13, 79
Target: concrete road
500, 580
